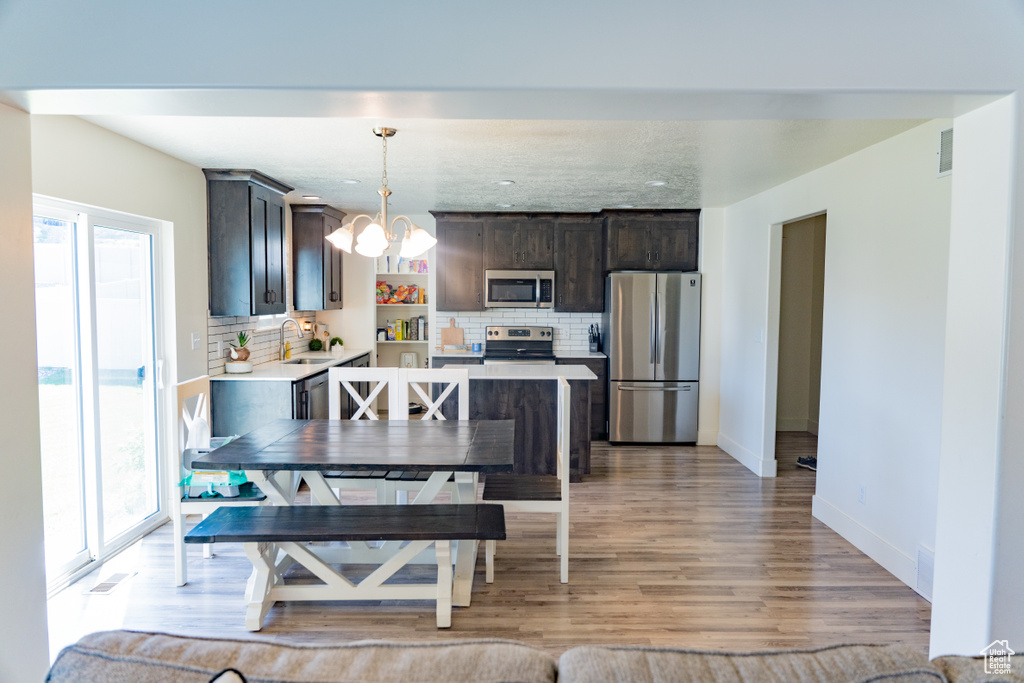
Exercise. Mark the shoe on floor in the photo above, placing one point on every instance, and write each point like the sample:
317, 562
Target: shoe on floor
810, 463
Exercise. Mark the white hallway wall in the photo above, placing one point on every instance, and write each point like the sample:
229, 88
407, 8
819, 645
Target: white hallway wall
886, 267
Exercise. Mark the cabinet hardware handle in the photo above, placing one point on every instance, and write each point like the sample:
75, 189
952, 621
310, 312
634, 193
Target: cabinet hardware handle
657, 256
266, 297
648, 256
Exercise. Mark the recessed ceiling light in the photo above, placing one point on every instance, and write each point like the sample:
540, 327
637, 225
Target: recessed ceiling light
504, 182
624, 206
656, 183
310, 196
504, 206
349, 181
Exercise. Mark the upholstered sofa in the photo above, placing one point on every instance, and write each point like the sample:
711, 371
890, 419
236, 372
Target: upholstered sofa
116, 656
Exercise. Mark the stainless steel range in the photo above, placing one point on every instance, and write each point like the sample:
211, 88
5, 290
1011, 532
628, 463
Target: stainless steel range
519, 345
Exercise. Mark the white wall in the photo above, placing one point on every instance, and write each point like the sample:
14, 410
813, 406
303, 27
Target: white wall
23, 649
712, 232
80, 162
969, 548
882, 340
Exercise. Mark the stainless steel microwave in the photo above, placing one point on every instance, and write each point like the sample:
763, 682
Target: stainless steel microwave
519, 288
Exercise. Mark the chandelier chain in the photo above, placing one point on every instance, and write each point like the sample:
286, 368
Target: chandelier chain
384, 177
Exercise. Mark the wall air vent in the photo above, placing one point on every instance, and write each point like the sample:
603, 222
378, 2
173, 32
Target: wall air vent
925, 572
945, 152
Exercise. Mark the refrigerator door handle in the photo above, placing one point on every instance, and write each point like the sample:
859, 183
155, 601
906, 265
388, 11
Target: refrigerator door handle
654, 328
620, 388
662, 329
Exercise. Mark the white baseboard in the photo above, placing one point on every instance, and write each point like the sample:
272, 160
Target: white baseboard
746, 457
902, 566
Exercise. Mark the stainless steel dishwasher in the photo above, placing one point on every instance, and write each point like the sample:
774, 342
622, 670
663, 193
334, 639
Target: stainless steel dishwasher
311, 398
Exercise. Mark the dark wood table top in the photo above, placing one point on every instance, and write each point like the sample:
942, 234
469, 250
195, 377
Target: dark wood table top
412, 445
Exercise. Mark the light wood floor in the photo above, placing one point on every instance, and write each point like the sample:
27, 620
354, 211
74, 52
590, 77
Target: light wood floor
670, 546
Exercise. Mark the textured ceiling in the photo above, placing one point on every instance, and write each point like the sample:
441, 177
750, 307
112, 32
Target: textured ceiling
447, 164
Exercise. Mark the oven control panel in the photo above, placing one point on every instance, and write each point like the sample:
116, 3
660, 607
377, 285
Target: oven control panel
499, 332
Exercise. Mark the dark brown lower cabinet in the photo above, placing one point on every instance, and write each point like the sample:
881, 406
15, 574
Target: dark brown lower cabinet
533, 405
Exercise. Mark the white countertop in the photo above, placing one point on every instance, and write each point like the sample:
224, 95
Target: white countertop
526, 371
292, 372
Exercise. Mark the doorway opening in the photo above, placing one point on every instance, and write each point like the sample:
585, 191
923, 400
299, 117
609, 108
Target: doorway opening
801, 302
97, 349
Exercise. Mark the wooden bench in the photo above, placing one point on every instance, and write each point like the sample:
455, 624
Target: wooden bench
264, 530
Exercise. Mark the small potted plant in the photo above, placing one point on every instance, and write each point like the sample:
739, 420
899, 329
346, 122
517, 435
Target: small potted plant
238, 352
337, 346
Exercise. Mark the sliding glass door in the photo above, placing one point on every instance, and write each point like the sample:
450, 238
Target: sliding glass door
95, 313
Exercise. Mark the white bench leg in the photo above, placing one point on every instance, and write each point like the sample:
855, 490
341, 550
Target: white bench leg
207, 547
489, 560
180, 551
443, 550
563, 542
262, 556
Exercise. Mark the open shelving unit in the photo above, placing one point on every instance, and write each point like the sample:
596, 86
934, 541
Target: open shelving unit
389, 353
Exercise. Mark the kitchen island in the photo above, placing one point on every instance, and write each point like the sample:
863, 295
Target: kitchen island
527, 394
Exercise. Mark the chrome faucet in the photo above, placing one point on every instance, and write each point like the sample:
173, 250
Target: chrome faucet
298, 330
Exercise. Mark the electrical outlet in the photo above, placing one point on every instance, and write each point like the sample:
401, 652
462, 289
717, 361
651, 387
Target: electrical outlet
196, 339
220, 348
862, 494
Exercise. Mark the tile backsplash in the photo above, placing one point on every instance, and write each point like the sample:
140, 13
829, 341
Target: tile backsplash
265, 345
571, 329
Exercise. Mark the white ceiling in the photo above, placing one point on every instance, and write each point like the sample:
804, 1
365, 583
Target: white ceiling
450, 164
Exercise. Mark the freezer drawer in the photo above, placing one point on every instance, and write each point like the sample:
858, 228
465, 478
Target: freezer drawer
653, 412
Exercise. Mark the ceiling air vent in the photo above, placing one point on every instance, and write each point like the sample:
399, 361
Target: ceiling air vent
946, 152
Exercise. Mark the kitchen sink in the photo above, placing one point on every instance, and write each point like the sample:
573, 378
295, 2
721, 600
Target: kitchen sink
307, 361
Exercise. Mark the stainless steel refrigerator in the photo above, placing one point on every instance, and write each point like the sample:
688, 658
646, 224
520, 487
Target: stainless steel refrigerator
652, 338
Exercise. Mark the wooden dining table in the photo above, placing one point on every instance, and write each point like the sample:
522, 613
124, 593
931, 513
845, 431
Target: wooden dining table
280, 454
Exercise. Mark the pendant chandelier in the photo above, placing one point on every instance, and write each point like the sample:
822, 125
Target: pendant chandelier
376, 237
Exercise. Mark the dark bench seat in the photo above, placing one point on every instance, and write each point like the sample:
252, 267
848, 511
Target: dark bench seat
265, 529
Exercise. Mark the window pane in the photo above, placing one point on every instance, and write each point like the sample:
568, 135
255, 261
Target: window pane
59, 407
124, 343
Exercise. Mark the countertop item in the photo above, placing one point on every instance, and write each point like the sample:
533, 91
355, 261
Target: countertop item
291, 372
527, 371
451, 335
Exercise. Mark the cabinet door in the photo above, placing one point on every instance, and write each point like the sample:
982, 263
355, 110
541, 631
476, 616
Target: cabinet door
628, 247
266, 229
675, 243
333, 272
275, 252
501, 244
460, 271
579, 267
534, 244
259, 210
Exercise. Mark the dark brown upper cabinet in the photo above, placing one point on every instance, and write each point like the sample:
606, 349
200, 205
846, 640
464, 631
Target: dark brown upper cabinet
316, 263
651, 240
579, 263
246, 242
513, 241
459, 262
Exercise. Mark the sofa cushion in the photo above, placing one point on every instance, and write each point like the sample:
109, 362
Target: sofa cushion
972, 670
862, 663
115, 656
